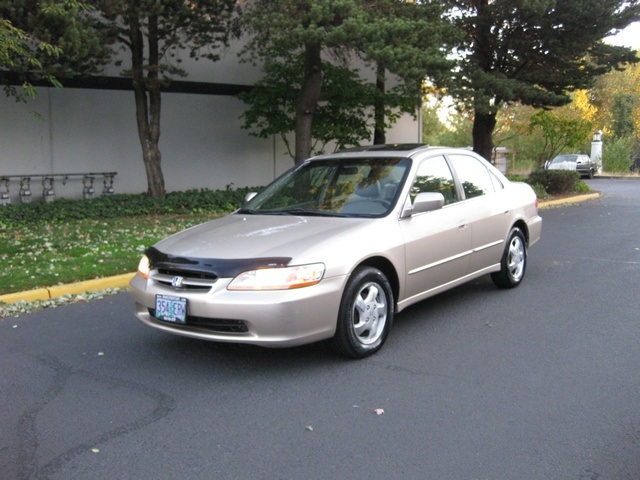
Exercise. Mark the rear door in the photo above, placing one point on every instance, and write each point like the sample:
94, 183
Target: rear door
488, 210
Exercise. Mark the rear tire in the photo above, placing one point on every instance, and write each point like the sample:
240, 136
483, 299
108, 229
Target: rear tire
365, 315
514, 261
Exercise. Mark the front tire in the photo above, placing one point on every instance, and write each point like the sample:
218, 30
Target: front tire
365, 315
514, 261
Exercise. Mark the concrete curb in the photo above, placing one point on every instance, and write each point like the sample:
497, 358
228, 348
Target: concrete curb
122, 281
41, 294
564, 201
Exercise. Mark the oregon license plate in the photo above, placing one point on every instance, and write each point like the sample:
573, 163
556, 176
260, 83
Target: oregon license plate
171, 309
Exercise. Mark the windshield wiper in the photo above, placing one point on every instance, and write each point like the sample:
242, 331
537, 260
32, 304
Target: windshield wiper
248, 211
306, 212
291, 211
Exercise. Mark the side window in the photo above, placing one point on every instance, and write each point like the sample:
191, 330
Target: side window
473, 175
497, 184
434, 175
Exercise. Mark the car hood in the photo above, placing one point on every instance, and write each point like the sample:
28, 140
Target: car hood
238, 236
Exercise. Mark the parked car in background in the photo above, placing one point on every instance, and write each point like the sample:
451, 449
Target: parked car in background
338, 245
578, 162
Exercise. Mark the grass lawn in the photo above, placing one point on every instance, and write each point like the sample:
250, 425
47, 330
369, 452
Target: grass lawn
70, 251
43, 253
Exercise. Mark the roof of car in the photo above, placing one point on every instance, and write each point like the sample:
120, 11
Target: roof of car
403, 149
396, 147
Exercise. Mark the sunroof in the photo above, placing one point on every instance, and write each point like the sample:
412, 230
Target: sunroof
399, 147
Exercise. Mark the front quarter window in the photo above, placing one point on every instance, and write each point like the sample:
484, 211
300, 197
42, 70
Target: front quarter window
434, 175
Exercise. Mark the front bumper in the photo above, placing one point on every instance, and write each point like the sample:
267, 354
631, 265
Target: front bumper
280, 318
584, 170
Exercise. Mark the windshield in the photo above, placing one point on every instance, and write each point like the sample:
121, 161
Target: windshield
565, 158
367, 187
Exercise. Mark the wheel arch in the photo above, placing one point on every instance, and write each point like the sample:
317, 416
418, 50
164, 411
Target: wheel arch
385, 266
522, 225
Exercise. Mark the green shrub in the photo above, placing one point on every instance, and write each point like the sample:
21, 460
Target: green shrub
538, 188
515, 178
581, 187
617, 155
541, 193
555, 182
123, 205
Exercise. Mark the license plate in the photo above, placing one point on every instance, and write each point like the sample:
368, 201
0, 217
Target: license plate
171, 309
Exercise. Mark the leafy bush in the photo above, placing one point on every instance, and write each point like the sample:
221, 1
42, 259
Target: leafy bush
555, 182
515, 178
541, 193
581, 187
123, 205
617, 155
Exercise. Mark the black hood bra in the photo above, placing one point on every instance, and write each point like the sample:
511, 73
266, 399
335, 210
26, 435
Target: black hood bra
221, 268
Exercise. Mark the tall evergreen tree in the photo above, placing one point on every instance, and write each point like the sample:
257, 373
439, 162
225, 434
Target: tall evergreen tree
411, 40
534, 52
343, 117
153, 32
282, 31
401, 37
47, 41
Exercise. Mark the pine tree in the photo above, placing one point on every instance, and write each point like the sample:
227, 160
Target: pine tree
535, 52
47, 41
153, 32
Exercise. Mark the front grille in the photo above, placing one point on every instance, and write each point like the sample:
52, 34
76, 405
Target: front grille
219, 325
188, 280
183, 273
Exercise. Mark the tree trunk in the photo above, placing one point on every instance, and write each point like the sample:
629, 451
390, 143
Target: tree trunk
308, 102
483, 126
148, 102
379, 134
484, 120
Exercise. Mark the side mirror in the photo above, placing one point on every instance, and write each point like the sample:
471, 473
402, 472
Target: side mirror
424, 202
249, 196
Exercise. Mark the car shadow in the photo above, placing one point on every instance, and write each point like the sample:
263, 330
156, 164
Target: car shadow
202, 354
445, 306
422, 317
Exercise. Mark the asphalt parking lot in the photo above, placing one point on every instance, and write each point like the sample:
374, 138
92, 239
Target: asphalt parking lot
538, 382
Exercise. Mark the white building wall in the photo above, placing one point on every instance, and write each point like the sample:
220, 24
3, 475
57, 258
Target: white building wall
202, 144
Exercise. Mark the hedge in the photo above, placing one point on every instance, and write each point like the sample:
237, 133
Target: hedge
555, 182
124, 205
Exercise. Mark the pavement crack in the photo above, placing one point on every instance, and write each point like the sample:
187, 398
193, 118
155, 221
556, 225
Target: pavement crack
30, 461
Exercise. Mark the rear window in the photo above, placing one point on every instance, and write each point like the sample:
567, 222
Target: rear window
473, 175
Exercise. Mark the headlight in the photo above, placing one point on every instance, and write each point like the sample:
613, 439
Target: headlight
279, 278
144, 267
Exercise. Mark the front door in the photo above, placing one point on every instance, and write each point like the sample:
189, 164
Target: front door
437, 243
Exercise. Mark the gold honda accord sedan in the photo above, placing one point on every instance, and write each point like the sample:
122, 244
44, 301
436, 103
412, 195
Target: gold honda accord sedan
337, 246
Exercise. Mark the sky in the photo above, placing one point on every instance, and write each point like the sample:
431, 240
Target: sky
629, 37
